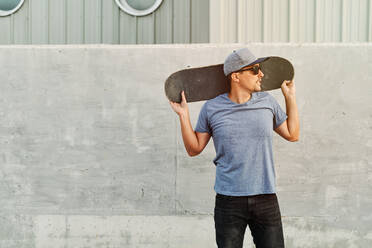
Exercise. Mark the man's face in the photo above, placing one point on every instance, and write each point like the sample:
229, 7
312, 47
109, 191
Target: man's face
249, 80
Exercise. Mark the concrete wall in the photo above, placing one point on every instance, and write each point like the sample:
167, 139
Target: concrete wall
92, 154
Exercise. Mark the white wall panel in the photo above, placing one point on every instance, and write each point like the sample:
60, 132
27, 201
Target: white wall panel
250, 21
290, 21
328, 21
355, 20
275, 24
93, 21
57, 21
215, 32
21, 25
145, 29
110, 23
181, 21
75, 21
301, 21
39, 21
199, 21
189, 21
102, 21
229, 20
224, 18
5, 28
370, 21
128, 28
163, 23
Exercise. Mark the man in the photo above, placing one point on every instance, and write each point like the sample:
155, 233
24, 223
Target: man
241, 124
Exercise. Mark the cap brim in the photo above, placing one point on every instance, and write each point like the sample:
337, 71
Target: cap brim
257, 61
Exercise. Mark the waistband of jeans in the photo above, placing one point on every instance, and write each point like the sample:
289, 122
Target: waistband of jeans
245, 196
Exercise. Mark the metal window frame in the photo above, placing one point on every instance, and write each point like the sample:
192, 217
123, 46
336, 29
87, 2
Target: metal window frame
9, 12
124, 6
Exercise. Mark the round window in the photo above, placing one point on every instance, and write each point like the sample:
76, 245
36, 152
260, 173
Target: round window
8, 7
138, 7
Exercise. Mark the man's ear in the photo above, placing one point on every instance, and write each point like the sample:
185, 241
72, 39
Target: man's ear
234, 77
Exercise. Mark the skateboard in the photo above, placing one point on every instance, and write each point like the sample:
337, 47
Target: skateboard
204, 83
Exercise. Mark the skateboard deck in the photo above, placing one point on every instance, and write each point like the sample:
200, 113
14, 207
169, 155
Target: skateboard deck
204, 83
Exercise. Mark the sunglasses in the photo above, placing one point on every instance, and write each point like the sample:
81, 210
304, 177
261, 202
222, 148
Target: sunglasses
255, 69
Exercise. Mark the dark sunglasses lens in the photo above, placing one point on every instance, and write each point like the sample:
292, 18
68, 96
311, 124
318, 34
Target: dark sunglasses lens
256, 68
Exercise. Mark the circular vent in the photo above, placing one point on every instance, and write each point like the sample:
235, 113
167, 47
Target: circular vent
8, 7
138, 7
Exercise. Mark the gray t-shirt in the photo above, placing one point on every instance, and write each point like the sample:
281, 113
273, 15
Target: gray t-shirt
242, 136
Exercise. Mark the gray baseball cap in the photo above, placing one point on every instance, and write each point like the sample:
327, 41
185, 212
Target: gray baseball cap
239, 59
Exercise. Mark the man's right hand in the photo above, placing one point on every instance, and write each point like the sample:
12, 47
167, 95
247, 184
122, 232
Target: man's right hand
180, 108
194, 141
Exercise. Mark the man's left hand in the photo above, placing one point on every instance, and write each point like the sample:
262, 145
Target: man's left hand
288, 88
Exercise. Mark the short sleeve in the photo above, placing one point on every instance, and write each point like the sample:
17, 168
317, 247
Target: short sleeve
279, 115
202, 126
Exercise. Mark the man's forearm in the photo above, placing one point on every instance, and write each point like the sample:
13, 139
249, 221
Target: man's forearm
293, 122
188, 135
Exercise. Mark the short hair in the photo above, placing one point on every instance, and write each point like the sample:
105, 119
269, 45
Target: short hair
229, 78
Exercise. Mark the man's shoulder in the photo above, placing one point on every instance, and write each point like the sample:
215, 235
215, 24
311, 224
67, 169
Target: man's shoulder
218, 99
214, 103
262, 94
264, 99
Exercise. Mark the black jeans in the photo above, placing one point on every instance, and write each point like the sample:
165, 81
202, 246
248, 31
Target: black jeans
232, 214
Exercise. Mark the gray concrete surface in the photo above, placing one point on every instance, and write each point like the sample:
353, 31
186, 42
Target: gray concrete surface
92, 154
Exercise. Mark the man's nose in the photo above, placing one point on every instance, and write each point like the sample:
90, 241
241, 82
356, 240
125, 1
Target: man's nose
261, 73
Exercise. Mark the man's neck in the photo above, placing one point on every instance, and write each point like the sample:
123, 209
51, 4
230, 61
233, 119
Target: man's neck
239, 96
